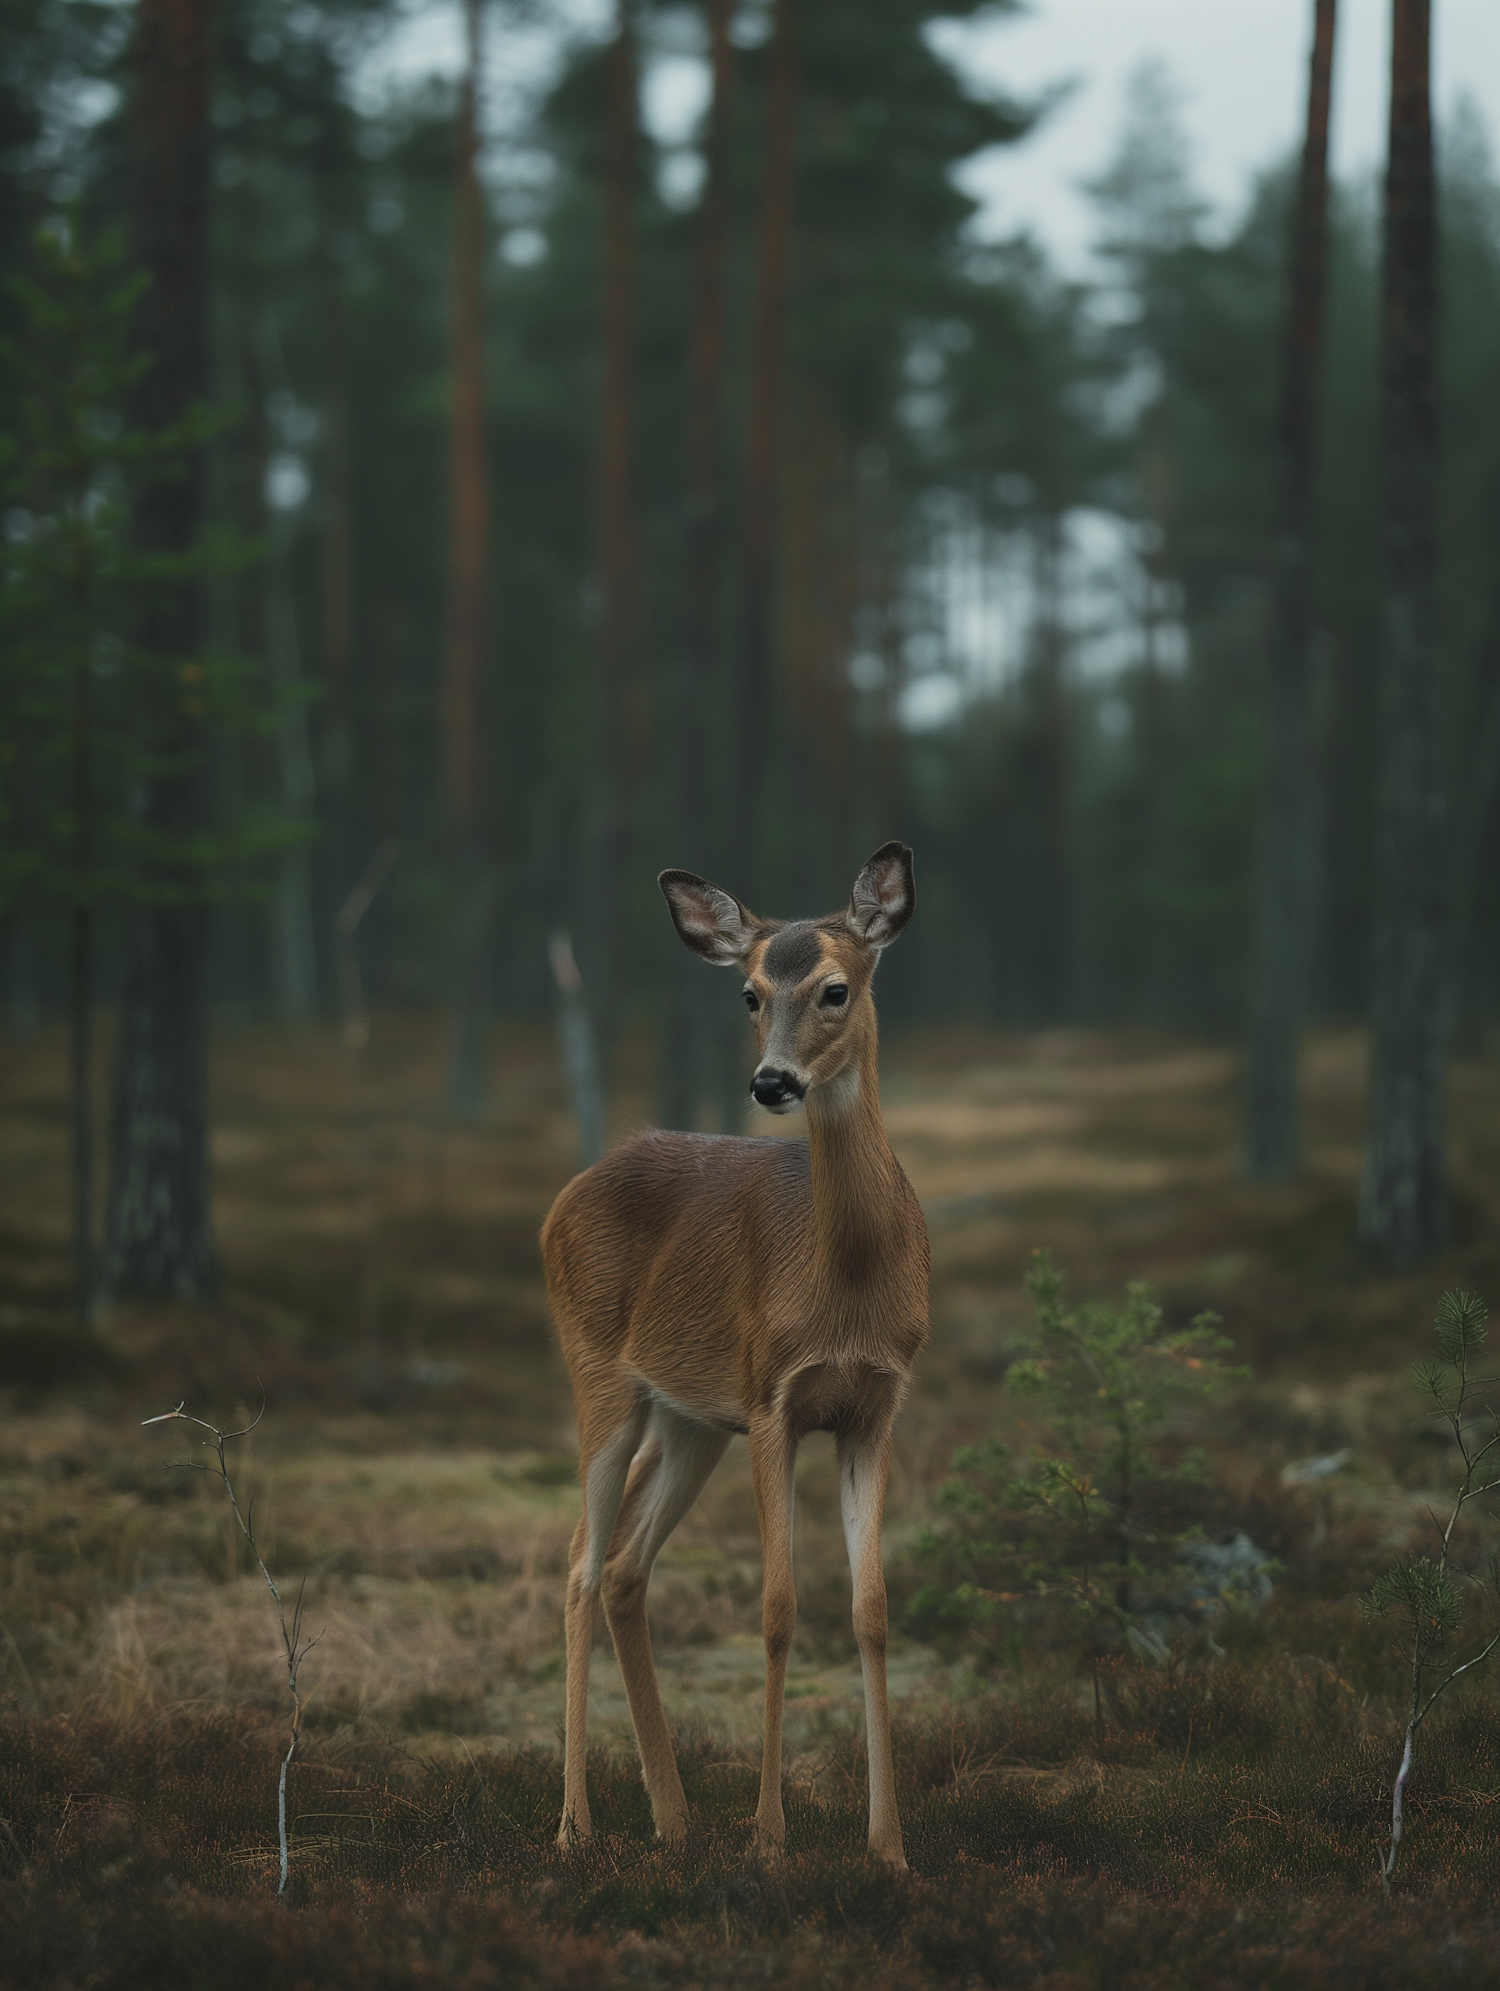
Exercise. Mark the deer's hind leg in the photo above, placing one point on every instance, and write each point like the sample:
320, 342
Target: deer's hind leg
675, 1461
607, 1444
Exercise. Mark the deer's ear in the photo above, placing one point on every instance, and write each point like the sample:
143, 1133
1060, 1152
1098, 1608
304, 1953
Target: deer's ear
712, 922
884, 896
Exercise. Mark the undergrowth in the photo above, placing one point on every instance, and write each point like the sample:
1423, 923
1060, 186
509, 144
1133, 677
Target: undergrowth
1225, 1829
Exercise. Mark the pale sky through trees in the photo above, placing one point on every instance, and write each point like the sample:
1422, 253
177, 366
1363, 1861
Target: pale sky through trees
1239, 68
1239, 64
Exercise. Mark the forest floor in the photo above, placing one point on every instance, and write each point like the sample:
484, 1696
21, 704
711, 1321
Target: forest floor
383, 1290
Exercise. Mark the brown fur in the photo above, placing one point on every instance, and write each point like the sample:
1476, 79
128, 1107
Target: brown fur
703, 1285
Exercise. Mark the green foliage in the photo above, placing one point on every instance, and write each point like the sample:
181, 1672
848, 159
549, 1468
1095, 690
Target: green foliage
1460, 1325
1082, 1526
65, 559
1423, 1595
75, 680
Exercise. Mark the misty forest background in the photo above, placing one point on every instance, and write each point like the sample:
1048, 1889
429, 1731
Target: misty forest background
545, 563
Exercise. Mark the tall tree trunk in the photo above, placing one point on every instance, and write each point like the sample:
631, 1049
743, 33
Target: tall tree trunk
294, 956
618, 713
882, 552
754, 715
687, 1056
818, 588
1051, 924
469, 499
1403, 1210
294, 951
159, 1237
339, 862
1270, 1132
81, 990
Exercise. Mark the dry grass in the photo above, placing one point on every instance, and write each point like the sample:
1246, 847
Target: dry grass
383, 1285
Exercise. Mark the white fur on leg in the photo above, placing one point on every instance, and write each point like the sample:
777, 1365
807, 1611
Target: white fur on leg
862, 1464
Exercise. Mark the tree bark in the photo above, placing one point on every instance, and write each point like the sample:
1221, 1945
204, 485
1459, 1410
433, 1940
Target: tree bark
1403, 1211
337, 551
705, 534
618, 715
754, 715
81, 966
294, 953
1050, 975
688, 1058
159, 1237
469, 504
1270, 1132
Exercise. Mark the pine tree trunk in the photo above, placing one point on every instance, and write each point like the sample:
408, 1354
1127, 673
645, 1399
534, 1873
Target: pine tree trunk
755, 705
294, 951
159, 1237
1051, 977
818, 601
338, 593
1404, 1190
618, 715
705, 535
81, 990
688, 1050
81, 963
1270, 1134
470, 527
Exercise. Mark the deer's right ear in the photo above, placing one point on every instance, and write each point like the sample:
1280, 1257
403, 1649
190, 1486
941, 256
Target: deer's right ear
713, 923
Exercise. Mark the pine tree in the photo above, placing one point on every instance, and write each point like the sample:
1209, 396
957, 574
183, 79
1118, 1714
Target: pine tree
1403, 1211
469, 526
1270, 1137
64, 576
159, 1234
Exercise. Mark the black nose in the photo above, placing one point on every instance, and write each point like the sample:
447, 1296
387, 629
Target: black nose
774, 1088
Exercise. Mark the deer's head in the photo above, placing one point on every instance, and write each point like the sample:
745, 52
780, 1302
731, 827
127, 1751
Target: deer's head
807, 982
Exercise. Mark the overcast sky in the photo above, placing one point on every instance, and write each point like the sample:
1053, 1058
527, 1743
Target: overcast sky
1242, 67
1240, 64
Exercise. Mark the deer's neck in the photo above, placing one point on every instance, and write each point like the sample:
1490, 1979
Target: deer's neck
853, 1169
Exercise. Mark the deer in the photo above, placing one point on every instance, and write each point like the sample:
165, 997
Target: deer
708, 1285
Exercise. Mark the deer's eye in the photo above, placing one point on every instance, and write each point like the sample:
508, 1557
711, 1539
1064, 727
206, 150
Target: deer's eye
835, 995
752, 1001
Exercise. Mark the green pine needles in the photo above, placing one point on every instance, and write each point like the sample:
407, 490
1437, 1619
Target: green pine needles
76, 677
1422, 1596
1081, 1528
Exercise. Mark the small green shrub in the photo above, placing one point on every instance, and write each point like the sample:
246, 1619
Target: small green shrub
1423, 1595
1081, 1530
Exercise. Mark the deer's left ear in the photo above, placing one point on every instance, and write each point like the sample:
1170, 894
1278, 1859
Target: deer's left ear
884, 896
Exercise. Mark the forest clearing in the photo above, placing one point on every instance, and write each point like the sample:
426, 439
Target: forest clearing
416, 1461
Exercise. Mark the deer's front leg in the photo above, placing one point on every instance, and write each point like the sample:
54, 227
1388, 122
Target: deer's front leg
864, 1465
773, 1458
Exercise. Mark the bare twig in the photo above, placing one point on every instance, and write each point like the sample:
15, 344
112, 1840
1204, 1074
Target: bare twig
294, 1645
